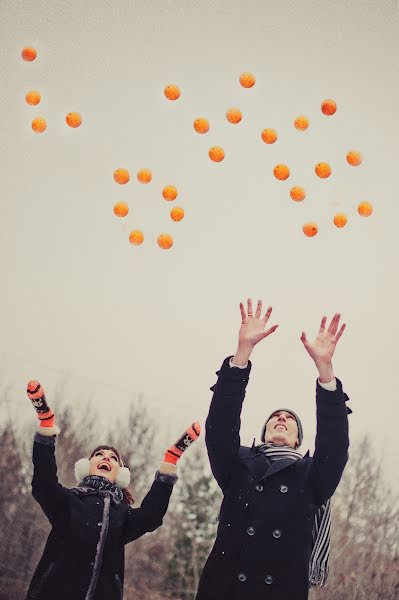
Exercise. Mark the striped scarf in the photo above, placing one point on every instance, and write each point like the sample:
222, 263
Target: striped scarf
321, 531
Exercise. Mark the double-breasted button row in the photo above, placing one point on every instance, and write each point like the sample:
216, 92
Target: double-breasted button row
269, 579
283, 488
251, 530
259, 487
242, 577
276, 533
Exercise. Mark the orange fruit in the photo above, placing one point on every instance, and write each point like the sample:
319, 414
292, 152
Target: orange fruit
216, 153
172, 92
340, 220
201, 125
269, 136
354, 158
310, 229
247, 80
301, 123
169, 192
177, 213
297, 193
234, 115
33, 97
328, 107
136, 237
39, 125
322, 170
73, 119
144, 175
365, 209
281, 172
28, 53
121, 209
165, 241
121, 176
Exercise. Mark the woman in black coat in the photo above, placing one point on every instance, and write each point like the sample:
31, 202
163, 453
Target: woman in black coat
272, 495
84, 555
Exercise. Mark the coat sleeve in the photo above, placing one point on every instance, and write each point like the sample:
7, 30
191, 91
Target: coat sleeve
332, 442
152, 510
224, 421
46, 489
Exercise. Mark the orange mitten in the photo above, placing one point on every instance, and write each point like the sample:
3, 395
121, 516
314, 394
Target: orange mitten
45, 414
175, 451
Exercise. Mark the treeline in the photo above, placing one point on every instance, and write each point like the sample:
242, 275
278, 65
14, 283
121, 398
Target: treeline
166, 564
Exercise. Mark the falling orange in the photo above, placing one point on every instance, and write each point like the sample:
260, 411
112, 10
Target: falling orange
201, 125
144, 176
340, 220
310, 229
136, 237
216, 153
165, 241
177, 213
33, 97
301, 123
28, 53
297, 193
281, 172
247, 80
323, 170
39, 125
121, 176
73, 119
121, 209
172, 92
354, 158
169, 192
365, 209
234, 115
269, 136
328, 107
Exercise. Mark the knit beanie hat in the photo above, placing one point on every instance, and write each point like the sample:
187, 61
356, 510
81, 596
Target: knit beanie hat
297, 419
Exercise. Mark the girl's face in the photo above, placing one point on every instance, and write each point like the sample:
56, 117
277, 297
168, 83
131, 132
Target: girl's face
105, 463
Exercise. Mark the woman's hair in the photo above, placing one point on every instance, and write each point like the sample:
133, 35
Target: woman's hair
127, 494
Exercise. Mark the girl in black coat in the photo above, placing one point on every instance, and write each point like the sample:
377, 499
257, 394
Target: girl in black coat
84, 555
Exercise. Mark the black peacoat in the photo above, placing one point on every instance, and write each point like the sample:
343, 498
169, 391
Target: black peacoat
84, 555
264, 537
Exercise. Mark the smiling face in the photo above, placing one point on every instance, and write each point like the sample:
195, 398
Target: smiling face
105, 463
282, 429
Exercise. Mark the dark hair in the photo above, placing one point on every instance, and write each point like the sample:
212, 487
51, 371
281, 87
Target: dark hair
127, 494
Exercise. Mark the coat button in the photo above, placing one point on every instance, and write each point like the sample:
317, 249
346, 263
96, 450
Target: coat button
242, 577
277, 533
251, 530
259, 488
99, 524
283, 489
268, 579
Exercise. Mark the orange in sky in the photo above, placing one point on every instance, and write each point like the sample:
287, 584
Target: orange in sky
28, 53
281, 172
328, 107
144, 176
297, 193
301, 123
33, 97
165, 241
340, 220
39, 125
172, 92
177, 213
216, 153
169, 192
365, 209
136, 237
73, 119
121, 176
310, 229
247, 80
234, 115
201, 125
354, 158
269, 136
323, 170
121, 209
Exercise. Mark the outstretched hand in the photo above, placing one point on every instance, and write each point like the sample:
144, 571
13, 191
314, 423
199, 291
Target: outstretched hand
252, 328
323, 347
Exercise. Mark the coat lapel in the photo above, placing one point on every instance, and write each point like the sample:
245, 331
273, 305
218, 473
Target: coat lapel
261, 467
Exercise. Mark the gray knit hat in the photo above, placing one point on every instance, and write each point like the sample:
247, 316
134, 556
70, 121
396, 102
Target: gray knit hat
297, 419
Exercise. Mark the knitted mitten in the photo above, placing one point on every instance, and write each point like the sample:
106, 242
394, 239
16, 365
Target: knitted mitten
45, 414
175, 451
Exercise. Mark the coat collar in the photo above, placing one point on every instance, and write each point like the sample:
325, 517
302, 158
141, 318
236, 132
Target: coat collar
260, 467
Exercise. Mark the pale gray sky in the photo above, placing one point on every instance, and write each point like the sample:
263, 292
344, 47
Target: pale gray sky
78, 298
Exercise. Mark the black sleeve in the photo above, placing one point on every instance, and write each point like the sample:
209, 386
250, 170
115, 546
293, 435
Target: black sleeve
332, 441
224, 421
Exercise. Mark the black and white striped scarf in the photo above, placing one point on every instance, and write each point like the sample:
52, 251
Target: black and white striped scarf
321, 531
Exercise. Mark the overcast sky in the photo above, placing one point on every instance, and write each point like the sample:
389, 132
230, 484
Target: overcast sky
78, 298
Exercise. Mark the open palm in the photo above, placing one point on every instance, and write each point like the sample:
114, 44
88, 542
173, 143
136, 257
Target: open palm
323, 347
252, 328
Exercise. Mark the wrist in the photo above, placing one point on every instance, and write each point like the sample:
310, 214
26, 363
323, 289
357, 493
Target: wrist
325, 369
242, 355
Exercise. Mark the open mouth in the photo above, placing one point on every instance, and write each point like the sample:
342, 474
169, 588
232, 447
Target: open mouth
280, 425
103, 466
